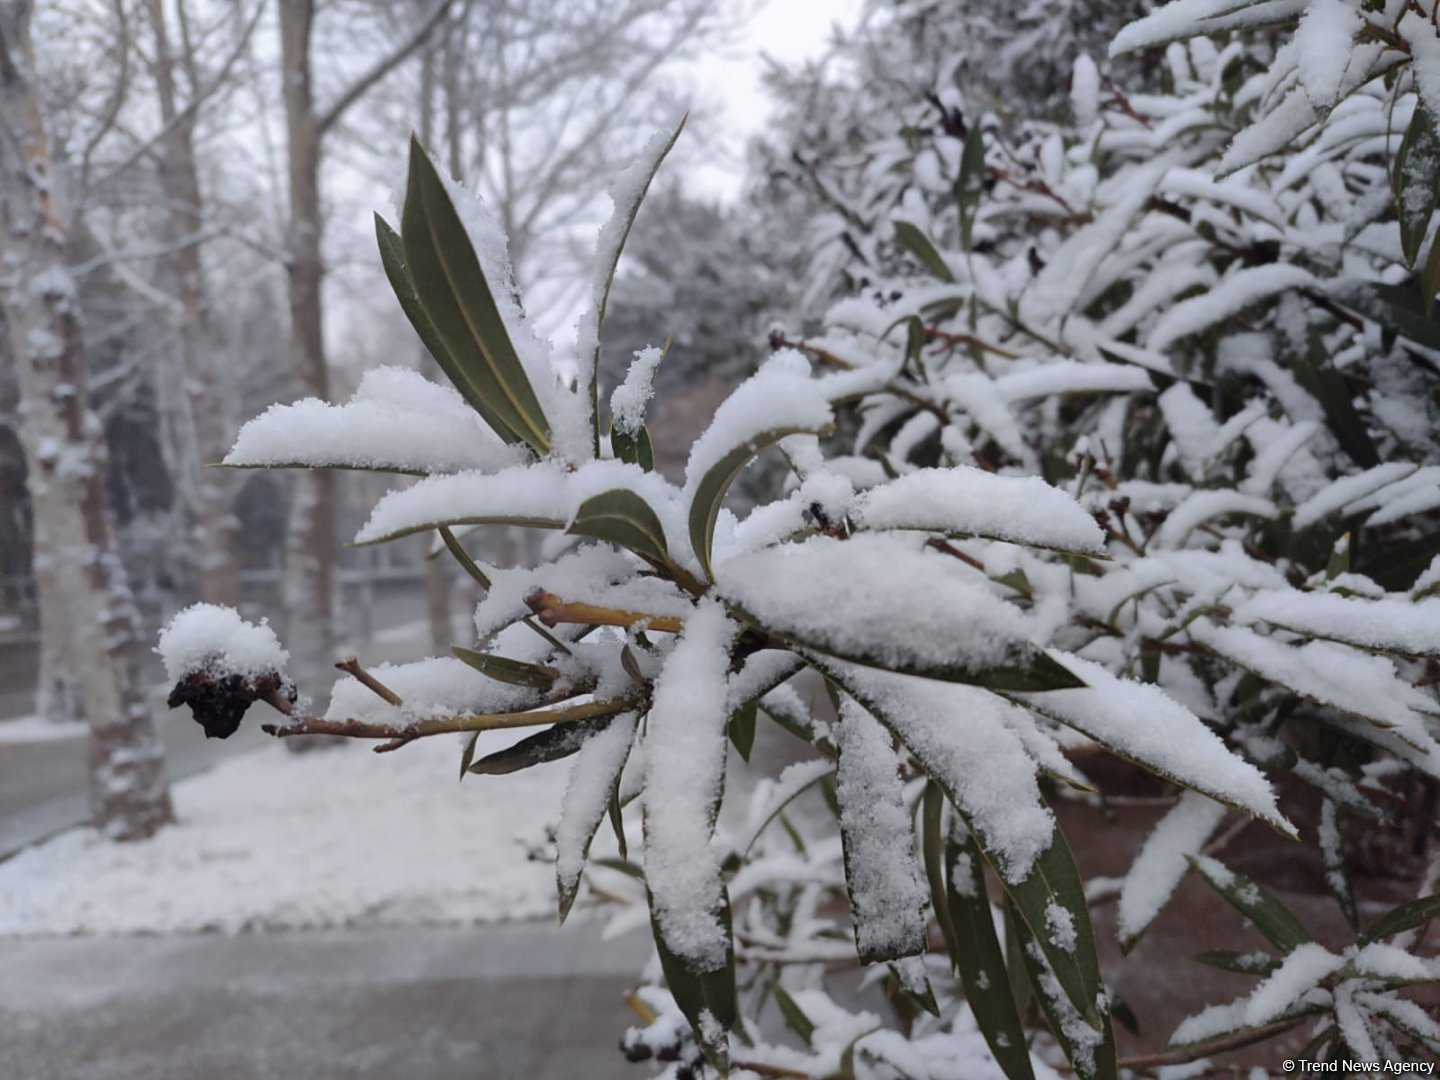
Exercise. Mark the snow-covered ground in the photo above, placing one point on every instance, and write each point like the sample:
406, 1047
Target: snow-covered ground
276, 840
32, 729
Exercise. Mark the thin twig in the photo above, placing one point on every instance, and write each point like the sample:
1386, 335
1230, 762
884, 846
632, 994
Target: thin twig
1220, 1045
551, 610
351, 666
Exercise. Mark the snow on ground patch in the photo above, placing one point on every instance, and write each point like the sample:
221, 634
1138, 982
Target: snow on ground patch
276, 840
33, 729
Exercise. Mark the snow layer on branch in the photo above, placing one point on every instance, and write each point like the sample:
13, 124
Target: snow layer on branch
1193, 18
1330, 674
1141, 722
1162, 863
884, 600
684, 774
1226, 300
597, 767
543, 494
437, 686
960, 735
780, 396
396, 419
627, 403
216, 640
1304, 968
1324, 44
1200, 507
886, 895
1348, 489
1391, 625
1023, 510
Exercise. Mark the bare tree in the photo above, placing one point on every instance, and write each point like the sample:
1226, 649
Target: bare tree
309, 548
85, 604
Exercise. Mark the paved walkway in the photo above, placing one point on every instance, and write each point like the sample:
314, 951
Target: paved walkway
521, 1000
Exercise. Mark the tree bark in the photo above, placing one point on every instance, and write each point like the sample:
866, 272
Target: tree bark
309, 578
203, 427
90, 618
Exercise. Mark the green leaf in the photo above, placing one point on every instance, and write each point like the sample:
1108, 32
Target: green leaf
1092, 1058
462, 556
710, 491
624, 518
503, 669
634, 449
1405, 917
469, 754
741, 727
795, 1018
1051, 890
933, 849
970, 184
392, 258
552, 744
698, 993
451, 289
1314, 371
1270, 917
1337, 870
1416, 191
980, 958
617, 824
1400, 309
1252, 963
913, 240
596, 319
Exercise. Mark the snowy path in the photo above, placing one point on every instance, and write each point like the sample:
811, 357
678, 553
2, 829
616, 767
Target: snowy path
514, 1002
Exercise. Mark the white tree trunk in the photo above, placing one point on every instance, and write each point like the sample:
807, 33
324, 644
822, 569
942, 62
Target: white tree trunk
89, 628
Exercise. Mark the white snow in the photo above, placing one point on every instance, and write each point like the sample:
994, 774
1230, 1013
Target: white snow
587, 797
275, 840
886, 602
1162, 863
886, 893
396, 420
627, 403
1139, 721
1393, 624
35, 729
1324, 42
216, 640
1303, 969
438, 686
1020, 509
958, 733
684, 774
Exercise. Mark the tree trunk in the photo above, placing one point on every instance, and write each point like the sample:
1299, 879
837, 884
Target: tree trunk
309, 582
90, 617
203, 427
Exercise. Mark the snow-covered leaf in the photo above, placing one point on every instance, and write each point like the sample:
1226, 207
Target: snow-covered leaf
1141, 723
980, 958
593, 781
1256, 903
1162, 863
886, 897
890, 606
779, 400
972, 502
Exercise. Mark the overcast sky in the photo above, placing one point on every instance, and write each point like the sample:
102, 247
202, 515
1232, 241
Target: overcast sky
790, 31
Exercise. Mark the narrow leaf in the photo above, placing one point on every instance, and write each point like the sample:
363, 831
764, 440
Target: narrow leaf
980, 958
451, 289
794, 1016
552, 744
503, 669
623, 517
1256, 903
1405, 917
592, 790
741, 727
913, 240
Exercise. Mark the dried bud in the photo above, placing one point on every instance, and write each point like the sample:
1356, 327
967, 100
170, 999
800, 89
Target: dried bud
218, 703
